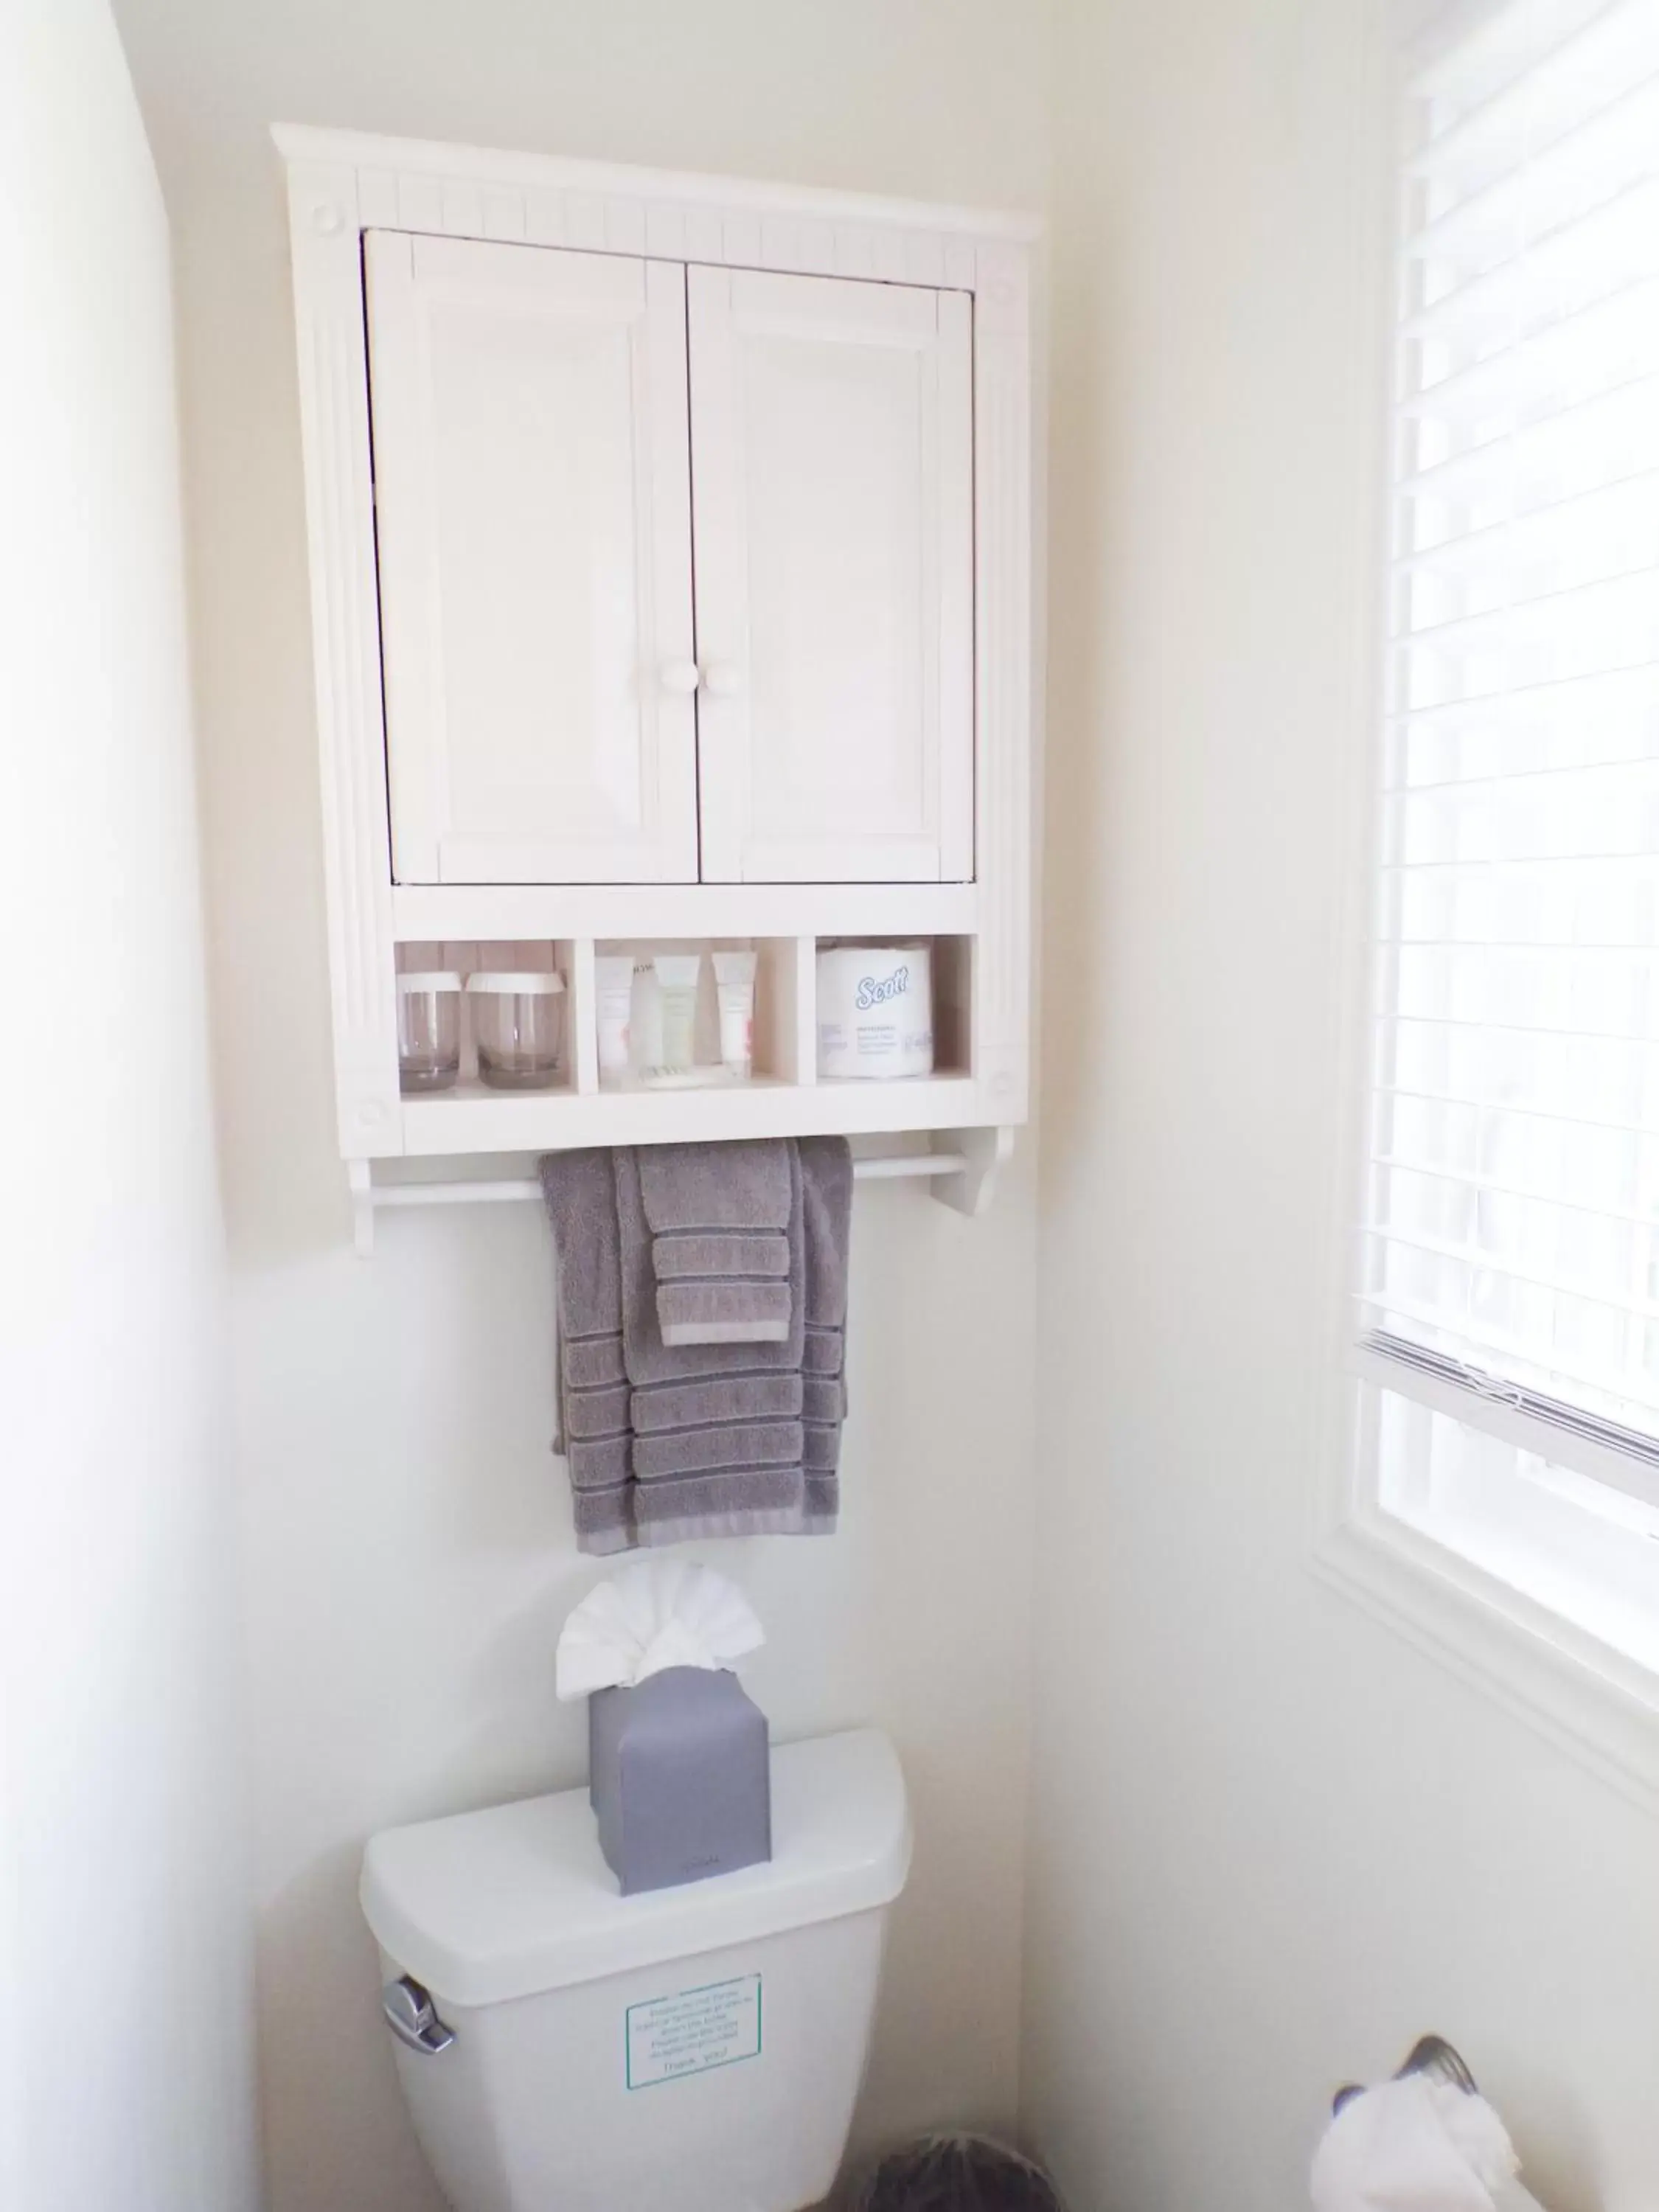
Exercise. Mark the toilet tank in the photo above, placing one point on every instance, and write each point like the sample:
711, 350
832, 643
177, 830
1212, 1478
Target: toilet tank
690, 2050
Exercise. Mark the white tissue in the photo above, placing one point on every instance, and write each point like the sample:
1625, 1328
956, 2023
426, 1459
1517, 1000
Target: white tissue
1417, 2145
657, 1614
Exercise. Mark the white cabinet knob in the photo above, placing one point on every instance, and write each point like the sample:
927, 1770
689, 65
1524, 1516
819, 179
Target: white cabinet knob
678, 675
722, 679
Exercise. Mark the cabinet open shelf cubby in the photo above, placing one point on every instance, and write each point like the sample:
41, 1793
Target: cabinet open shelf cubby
784, 1096
950, 960
783, 1042
470, 957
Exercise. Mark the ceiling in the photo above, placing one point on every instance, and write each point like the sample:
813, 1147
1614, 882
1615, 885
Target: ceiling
823, 91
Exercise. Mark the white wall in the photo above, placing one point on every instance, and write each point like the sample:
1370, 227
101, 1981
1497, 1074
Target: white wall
1270, 1843
406, 1530
124, 2052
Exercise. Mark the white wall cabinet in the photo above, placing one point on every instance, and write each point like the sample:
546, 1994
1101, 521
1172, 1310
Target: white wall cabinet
669, 545
624, 591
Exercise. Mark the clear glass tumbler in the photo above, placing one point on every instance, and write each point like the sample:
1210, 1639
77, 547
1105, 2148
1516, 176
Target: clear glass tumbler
517, 1018
428, 1031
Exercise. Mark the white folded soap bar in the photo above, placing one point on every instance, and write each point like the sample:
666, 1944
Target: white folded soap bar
875, 1012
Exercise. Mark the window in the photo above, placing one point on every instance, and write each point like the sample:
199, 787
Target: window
1509, 1287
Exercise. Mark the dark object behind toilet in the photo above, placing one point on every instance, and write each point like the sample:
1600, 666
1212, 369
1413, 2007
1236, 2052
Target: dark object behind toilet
956, 2174
680, 1778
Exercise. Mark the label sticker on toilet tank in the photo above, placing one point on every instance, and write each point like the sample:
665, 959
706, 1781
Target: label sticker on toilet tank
719, 2025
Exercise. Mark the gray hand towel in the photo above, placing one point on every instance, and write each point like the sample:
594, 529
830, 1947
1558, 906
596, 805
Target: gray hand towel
719, 1218
715, 1398
727, 1446
757, 1501
731, 1465
737, 1463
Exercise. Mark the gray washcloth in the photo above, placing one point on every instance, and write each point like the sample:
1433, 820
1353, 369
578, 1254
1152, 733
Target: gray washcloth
647, 1357
724, 1252
725, 1310
719, 1217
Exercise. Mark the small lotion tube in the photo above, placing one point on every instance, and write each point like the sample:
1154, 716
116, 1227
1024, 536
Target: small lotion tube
676, 979
645, 1027
613, 986
734, 987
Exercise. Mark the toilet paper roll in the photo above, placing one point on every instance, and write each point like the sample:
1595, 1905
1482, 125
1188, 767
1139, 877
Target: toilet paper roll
875, 1012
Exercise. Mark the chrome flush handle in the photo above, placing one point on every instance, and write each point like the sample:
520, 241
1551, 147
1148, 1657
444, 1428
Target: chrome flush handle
413, 2019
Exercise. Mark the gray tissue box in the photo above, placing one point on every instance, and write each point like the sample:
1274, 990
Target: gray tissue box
680, 1778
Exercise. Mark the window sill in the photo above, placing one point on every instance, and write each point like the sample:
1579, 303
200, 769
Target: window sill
1590, 1698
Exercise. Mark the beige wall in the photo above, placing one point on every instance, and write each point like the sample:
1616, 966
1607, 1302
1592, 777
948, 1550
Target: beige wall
1270, 1842
406, 1531
124, 2075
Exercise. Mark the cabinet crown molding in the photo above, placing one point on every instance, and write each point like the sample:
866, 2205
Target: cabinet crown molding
299, 143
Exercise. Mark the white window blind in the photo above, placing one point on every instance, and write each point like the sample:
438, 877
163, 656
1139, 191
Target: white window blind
1509, 1277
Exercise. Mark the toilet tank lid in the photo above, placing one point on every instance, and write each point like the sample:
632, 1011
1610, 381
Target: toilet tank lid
507, 1903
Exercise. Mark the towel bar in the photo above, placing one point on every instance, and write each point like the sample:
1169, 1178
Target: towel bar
964, 1175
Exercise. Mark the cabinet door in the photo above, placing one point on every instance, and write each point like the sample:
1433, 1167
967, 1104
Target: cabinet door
832, 466
534, 514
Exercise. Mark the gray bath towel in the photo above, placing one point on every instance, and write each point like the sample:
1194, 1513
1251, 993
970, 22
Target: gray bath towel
594, 1433
826, 1174
720, 1221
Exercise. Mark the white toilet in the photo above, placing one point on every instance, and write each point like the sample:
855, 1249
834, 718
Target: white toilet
564, 2049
